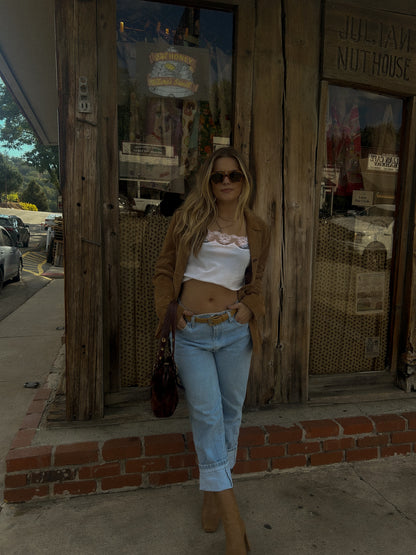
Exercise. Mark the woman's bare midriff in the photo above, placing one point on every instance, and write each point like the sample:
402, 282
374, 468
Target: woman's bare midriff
204, 298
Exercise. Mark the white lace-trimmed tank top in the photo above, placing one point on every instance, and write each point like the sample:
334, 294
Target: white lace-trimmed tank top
222, 260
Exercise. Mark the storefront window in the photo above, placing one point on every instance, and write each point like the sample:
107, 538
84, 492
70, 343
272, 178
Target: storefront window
352, 277
174, 109
175, 95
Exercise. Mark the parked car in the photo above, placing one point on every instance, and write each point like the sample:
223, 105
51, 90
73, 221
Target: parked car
11, 262
17, 229
369, 228
23, 230
6, 222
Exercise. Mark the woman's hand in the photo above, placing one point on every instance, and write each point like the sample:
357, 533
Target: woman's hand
182, 322
243, 314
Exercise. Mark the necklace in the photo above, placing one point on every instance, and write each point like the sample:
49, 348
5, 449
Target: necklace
225, 219
221, 228
226, 226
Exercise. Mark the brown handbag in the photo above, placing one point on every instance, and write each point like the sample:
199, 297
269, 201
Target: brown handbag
165, 378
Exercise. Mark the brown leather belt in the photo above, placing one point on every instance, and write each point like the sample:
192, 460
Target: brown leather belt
212, 320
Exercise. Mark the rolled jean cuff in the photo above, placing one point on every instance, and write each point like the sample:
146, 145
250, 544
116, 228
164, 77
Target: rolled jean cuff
215, 479
232, 456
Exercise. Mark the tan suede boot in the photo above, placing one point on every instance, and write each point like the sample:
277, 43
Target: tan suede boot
235, 531
210, 514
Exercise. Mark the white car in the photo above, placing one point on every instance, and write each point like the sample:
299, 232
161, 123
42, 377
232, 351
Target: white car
50, 220
11, 262
373, 226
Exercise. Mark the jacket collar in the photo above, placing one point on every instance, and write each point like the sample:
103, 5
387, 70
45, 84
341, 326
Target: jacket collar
251, 220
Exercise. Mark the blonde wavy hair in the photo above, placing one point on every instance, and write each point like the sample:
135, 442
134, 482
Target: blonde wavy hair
200, 208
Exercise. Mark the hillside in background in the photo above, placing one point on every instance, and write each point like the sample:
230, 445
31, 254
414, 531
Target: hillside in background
29, 174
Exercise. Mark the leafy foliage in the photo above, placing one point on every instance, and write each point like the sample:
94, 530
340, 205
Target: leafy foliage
33, 194
30, 173
16, 133
10, 179
27, 206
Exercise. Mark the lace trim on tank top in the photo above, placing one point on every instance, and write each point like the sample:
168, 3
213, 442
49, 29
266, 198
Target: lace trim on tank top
225, 239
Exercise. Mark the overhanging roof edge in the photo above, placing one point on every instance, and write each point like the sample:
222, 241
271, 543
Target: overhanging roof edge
22, 100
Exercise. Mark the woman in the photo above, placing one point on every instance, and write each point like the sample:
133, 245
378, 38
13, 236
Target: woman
212, 261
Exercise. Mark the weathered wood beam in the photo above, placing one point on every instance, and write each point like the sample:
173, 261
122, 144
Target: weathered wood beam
403, 339
76, 39
108, 169
302, 50
284, 138
266, 159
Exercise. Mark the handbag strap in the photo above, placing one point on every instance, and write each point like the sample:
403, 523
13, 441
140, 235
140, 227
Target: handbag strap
169, 327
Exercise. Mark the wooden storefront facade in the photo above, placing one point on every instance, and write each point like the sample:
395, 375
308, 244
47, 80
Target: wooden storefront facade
290, 60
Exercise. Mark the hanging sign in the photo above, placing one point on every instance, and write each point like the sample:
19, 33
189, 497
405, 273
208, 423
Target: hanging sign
172, 74
370, 292
171, 71
367, 47
383, 162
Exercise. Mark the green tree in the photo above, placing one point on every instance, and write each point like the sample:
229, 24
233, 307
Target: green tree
34, 194
17, 132
30, 173
10, 179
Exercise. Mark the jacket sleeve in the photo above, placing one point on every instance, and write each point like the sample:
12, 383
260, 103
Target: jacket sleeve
164, 272
252, 293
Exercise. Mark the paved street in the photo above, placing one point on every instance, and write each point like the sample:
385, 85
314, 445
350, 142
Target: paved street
14, 294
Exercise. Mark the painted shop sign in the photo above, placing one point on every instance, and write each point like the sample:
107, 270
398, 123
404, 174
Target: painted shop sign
169, 72
383, 162
172, 74
370, 48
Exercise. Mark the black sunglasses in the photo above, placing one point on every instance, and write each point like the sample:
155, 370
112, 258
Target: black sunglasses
234, 176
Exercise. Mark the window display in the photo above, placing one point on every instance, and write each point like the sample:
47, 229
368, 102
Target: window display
174, 101
351, 292
174, 109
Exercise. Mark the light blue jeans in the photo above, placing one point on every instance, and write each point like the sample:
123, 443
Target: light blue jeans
213, 364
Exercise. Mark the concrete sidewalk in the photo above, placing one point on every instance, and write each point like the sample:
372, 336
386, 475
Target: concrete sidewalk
30, 338
360, 508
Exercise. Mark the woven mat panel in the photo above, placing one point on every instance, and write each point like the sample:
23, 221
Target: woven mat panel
340, 337
129, 248
155, 228
141, 239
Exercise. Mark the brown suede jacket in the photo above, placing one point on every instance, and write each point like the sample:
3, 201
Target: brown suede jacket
173, 259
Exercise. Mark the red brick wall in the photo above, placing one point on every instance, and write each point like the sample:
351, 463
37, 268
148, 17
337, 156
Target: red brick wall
46, 471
